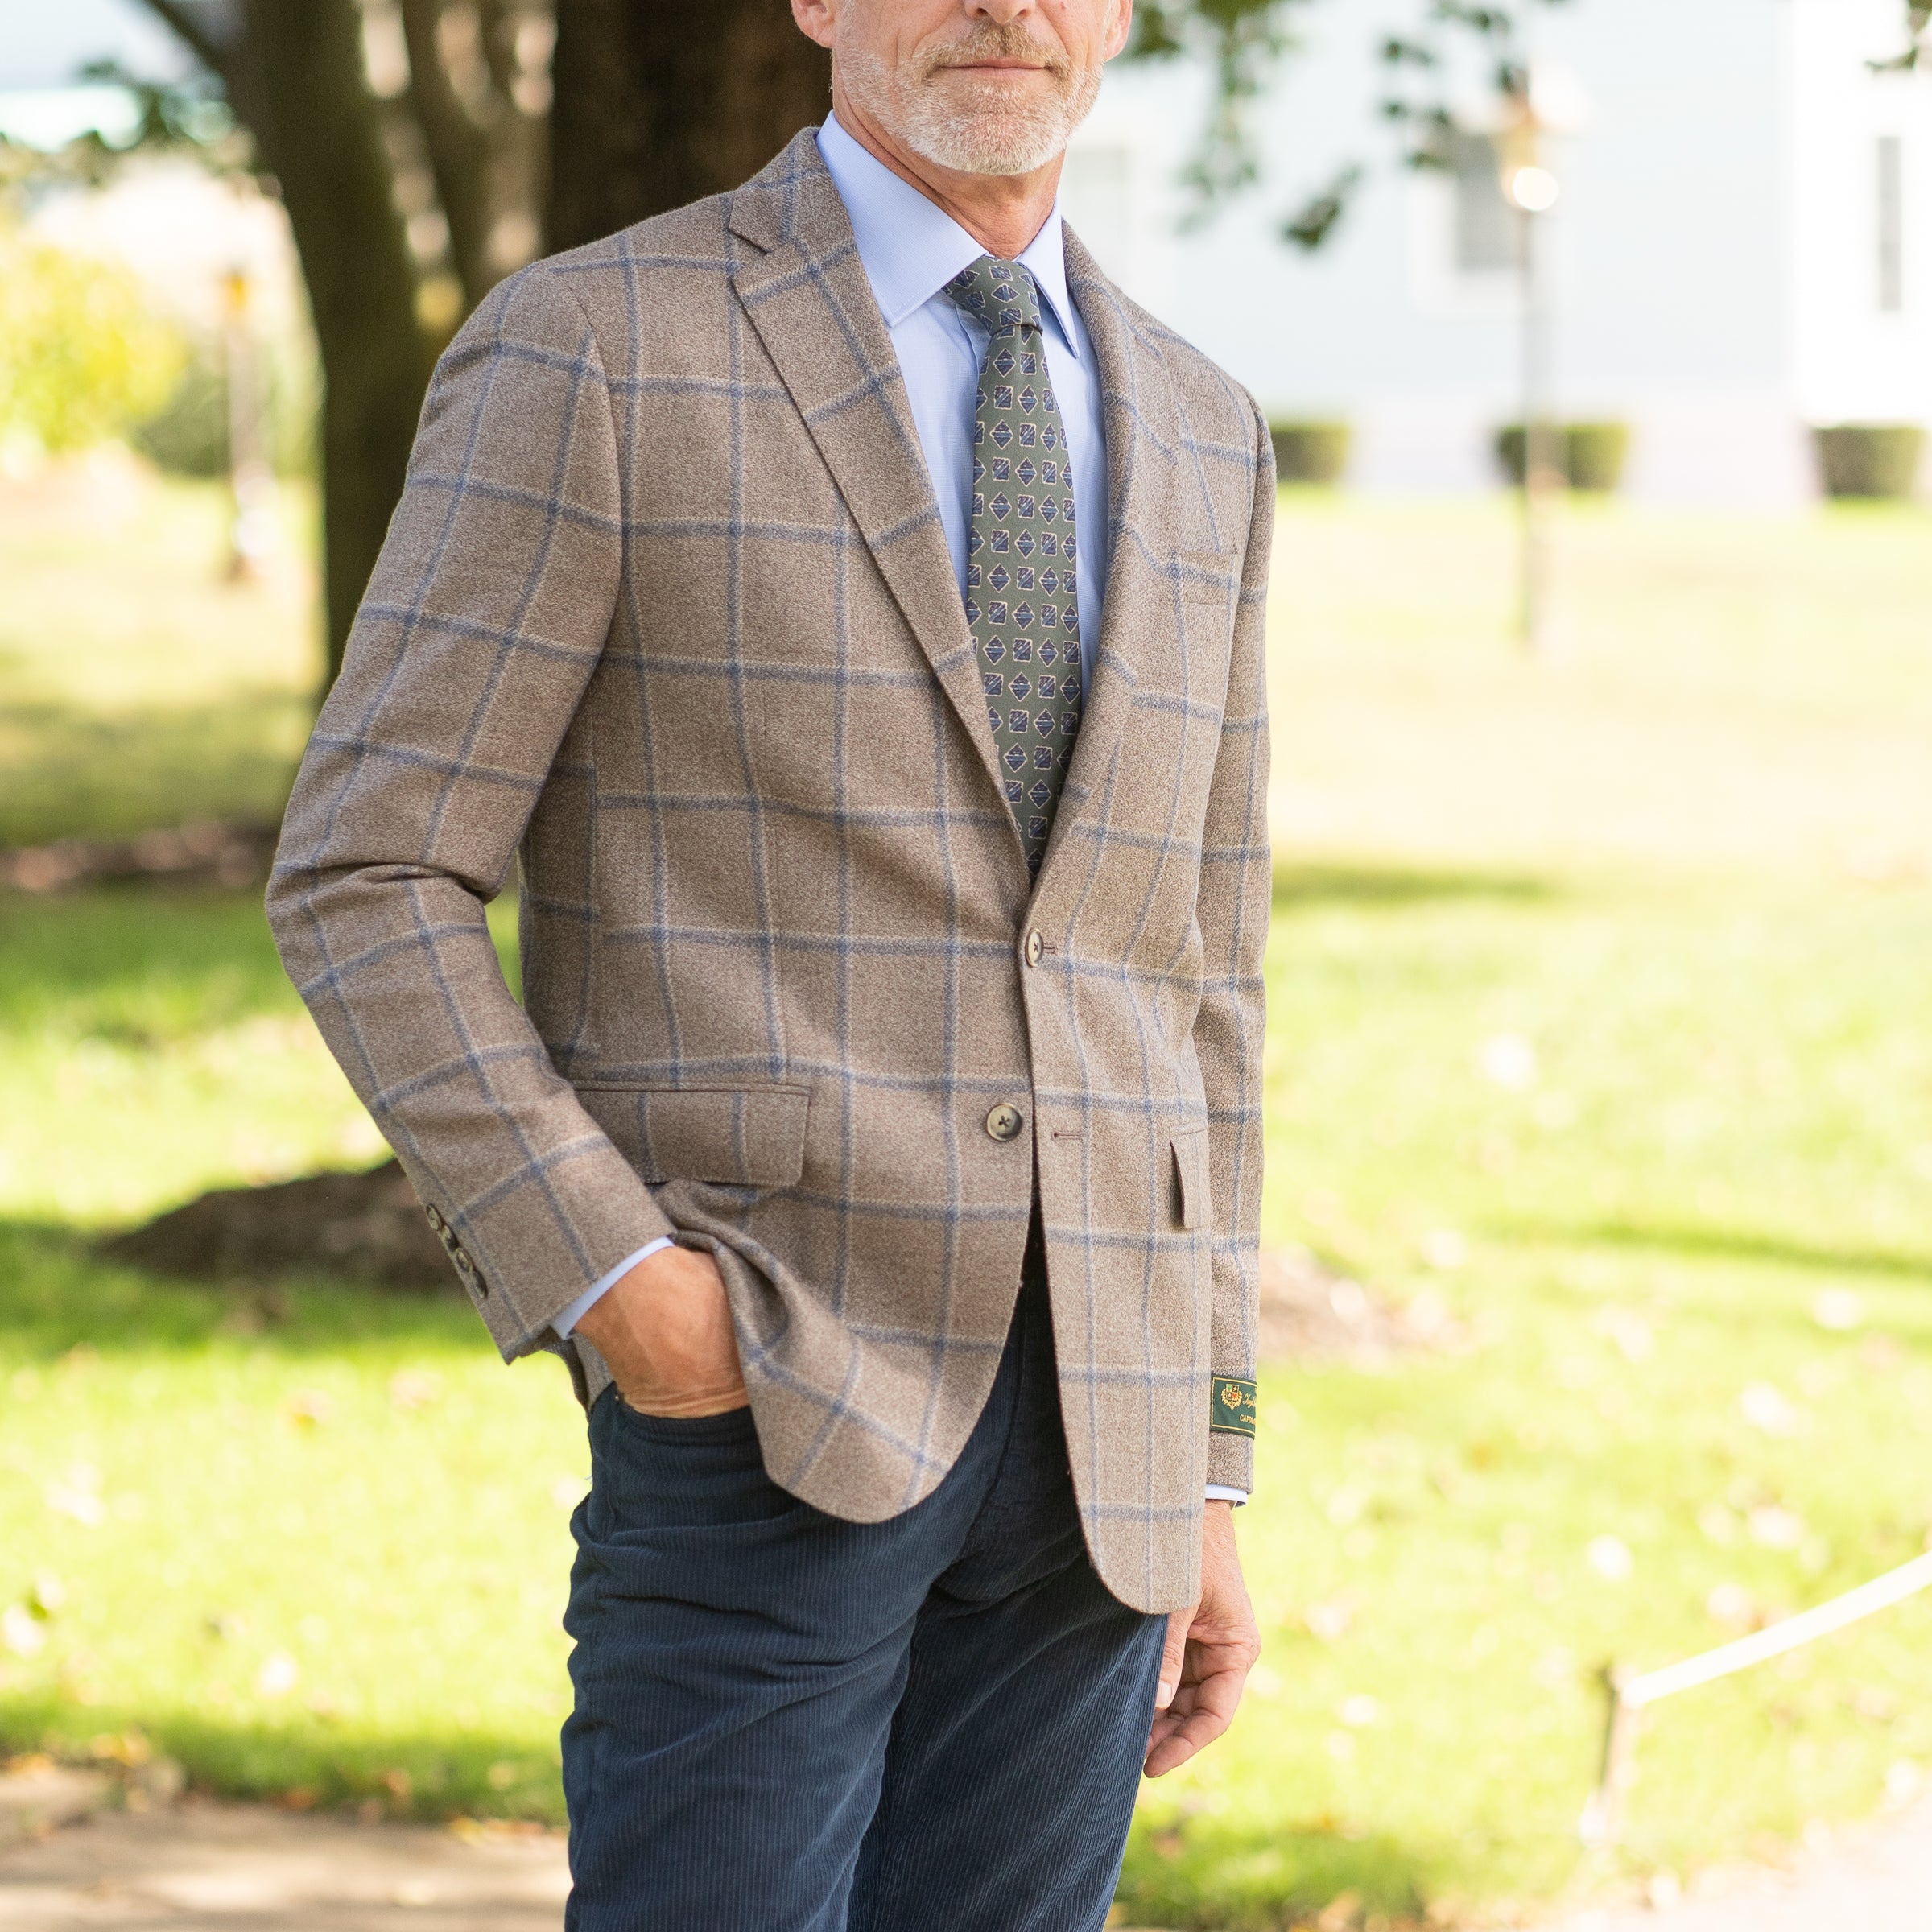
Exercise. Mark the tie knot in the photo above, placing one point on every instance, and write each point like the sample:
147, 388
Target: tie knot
999, 294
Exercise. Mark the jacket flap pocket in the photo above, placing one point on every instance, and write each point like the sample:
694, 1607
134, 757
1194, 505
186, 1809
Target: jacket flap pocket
1190, 1146
743, 1137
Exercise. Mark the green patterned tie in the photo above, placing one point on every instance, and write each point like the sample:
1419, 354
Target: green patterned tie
1021, 587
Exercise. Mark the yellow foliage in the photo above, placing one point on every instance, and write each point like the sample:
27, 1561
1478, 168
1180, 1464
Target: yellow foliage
83, 355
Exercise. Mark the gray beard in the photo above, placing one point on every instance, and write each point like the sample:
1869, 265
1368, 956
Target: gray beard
1004, 137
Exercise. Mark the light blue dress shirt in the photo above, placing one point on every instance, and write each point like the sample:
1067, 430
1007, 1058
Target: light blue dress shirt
911, 248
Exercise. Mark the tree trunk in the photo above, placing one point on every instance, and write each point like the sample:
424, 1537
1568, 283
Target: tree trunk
659, 102
480, 90
292, 70
320, 134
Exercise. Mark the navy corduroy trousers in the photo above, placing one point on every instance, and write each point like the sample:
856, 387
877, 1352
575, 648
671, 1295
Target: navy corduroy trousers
787, 1723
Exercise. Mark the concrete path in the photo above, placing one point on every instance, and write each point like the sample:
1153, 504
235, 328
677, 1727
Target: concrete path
1871, 1878
66, 1865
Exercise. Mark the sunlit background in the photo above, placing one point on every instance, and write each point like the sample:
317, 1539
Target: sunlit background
1598, 1227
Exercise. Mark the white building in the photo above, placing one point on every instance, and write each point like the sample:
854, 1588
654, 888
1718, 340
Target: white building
1743, 246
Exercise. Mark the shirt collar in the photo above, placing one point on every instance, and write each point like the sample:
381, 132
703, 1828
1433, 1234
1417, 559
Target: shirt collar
910, 248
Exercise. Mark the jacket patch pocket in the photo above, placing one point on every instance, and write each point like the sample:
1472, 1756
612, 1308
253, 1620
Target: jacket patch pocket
1190, 1146
736, 1137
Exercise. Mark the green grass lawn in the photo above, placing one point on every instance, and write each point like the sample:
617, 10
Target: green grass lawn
138, 685
1637, 1097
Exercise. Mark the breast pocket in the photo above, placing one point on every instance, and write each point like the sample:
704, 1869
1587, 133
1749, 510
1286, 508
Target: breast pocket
742, 1136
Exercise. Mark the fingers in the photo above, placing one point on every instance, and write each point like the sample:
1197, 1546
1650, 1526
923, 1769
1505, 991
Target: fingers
1180, 1622
1201, 1711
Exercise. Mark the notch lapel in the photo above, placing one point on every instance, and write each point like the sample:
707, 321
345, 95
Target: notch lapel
1142, 425
806, 292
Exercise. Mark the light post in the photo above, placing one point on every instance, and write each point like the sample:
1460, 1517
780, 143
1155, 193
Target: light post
1531, 188
251, 529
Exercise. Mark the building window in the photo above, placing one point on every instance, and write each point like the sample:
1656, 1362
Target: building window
1891, 224
1488, 231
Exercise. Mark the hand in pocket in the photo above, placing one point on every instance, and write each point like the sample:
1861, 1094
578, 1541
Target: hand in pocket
665, 1329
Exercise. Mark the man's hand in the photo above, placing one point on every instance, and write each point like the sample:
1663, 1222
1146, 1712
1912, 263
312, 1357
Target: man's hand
1211, 1648
665, 1329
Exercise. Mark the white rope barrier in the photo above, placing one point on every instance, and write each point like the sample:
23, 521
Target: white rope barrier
1879, 1594
1629, 1695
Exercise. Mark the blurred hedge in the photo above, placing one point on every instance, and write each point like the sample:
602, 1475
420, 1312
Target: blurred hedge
1870, 458
1310, 453
1594, 454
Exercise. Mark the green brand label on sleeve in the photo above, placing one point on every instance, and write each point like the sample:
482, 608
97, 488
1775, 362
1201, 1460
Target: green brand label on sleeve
1231, 1406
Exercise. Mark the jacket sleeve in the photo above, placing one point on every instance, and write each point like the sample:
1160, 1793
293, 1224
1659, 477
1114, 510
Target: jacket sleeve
1236, 892
483, 623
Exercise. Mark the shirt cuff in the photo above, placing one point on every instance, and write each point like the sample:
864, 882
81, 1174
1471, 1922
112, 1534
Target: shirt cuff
1219, 1492
582, 1305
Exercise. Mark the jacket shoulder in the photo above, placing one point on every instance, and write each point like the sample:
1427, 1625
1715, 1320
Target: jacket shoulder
1212, 400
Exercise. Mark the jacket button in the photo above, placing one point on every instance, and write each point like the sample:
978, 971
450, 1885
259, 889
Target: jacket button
1035, 946
435, 1219
1004, 1123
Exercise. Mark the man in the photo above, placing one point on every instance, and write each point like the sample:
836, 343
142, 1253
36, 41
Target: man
850, 607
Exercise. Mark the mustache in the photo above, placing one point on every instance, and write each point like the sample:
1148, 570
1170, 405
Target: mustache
994, 41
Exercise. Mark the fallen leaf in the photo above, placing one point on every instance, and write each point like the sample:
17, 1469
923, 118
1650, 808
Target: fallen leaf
1777, 1528
1718, 1524
1731, 1607
78, 1495
1610, 1558
1840, 1309
279, 1675
21, 1632
1509, 1061
1329, 1622
413, 1389
1769, 1408
308, 1408
1340, 1912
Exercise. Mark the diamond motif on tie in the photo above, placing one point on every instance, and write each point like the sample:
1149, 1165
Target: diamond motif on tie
1001, 298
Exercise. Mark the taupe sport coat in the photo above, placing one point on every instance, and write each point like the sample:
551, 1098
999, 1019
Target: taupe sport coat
666, 607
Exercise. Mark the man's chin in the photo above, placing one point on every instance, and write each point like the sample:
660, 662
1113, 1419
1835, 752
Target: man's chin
983, 90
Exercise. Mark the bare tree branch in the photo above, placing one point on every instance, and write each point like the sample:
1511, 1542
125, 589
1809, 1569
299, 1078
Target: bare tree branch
179, 21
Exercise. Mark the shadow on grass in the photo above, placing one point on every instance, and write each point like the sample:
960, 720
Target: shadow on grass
1312, 886
74, 772
1740, 1245
1208, 1877
139, 942
57, 1293
305, 1761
